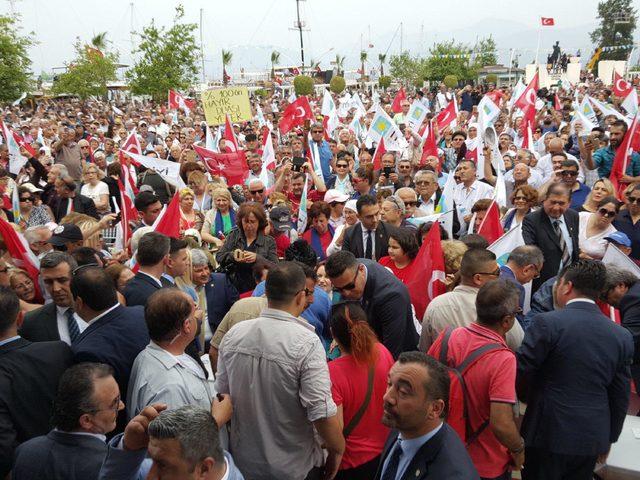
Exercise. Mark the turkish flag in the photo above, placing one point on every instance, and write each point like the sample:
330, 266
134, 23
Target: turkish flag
22, 143
547, 21
428, 282
621, 88
295, 114
400, 96
429, 148
230, 141
529, 95
132, 144
377, 155
557, 104
490, 227
447, 116
496, 96
232, 166
168, 222
19, 251
177, 101
621, 160
127, 213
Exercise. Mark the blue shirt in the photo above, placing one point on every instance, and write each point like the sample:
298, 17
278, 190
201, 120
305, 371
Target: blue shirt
409, 450
603, 159
318, 313
579, 196
325, 158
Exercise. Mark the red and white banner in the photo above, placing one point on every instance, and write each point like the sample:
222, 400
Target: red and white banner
547, 21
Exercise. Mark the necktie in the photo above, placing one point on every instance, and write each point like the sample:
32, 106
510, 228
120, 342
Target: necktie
74, 330
368, 251
394, 460
563, 245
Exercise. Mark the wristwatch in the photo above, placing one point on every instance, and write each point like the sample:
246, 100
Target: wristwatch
520, 449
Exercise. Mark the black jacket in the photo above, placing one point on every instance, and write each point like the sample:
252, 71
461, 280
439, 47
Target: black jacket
353, 240
442, 457
537, 230
630, 319
60, 456
388, 306
140, 288
81, 204
29, 375
573, 373
41, 325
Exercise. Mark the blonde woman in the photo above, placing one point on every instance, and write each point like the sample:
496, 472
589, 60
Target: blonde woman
220, 220
90, 227
197, 181
95, 189
189, 216
601, 189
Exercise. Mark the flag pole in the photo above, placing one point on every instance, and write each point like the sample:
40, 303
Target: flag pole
539, 37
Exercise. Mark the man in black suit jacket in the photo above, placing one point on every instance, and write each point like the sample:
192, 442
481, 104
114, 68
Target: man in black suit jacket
152, 256
116, 334
86, 407
52, 321
29, 375
421, 445
384, 298
539, 228
370, 237
573, 373
66, 190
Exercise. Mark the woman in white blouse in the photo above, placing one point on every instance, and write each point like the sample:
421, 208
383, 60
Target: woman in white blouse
95, 189
594, 227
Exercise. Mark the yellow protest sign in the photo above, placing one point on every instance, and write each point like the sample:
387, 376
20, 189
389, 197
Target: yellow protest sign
234, 101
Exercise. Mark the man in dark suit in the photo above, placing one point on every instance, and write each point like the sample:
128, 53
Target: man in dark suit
554, 229
573, 373
86, 407
152, 256
116, 334
55, 320
370, 237
421, 445
384, 298
29, 375
71, 201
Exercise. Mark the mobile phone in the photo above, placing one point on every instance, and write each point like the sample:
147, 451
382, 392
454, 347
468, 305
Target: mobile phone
387, 171
117, 219
297, 164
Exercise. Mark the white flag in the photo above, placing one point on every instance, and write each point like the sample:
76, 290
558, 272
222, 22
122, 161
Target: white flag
328, 105
383, 127
260, 115
416, 115
606, 110
503, 247
169, 171
613, 256
488, 111
630, 103
302, 211
16, 159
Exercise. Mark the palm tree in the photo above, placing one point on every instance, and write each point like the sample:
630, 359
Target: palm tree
99, 41
363, 60
340, 64
382, 57
275, 60
313, 66
227, 56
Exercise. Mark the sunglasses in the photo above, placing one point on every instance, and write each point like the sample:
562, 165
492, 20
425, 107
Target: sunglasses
569, 173
342, 166
635, 200
348, 286
26, 199
357, 180
316, 131
411, 204
257, 191
606, 213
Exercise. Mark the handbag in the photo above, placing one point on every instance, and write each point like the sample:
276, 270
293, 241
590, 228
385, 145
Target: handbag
353, 423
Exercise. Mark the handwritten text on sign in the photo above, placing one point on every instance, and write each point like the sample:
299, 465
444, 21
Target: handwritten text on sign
220, 102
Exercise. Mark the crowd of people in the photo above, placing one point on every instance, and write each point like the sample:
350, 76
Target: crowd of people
278, 333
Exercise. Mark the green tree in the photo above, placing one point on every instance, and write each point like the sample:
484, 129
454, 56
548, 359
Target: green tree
15, 67
448, 58
485, 53
88, 73
617, 23
227, 56
337, 85
275, 60
168, 59
99, 41
363, 61
409, 70
382, 57
384, 81
339, 61
303, 85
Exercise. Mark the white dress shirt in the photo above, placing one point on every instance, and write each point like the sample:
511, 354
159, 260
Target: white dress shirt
63, 326
427, 207
365, 233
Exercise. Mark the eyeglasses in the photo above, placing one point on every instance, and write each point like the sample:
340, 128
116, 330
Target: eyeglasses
537, 268
569, 173
411, 204
26, 199
316, 131
257, 191
348, 286
635, 200
115, 407
342, 165
495, 273
606, 213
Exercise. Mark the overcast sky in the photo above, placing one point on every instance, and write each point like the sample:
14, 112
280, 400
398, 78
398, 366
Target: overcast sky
337, 24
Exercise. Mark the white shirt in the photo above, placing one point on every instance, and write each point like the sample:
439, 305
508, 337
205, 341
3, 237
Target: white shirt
465, 199
429, 206
545, 167
442, 100
594, 246
98, 317
535, 178
63, 326
581, 299
365, 234
94, 193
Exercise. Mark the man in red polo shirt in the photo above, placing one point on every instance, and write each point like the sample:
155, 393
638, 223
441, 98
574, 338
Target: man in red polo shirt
490, 381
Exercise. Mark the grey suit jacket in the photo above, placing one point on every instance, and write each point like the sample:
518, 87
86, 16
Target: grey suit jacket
121, 464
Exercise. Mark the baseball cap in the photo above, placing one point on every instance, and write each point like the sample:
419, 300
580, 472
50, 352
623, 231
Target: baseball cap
620, 238
281, 218
64, 234
334, 195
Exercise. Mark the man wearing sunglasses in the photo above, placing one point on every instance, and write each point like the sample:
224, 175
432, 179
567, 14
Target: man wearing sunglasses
579, 191
318, 145
384, 298
628, 220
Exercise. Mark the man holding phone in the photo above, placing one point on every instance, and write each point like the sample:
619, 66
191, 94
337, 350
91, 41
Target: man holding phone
319, 146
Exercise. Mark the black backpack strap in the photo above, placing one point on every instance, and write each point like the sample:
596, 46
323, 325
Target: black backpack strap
444, 346
363, 408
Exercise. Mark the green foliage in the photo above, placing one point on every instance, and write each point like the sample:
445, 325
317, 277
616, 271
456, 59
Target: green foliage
492, 78
99, 41
88, 74
303, 85
337, 84
384, 81
261, 92
450, 81
382, 57
485, 51
406, 68
339, 61
617, 23
275, 60
168, 59
15, 67
449, 58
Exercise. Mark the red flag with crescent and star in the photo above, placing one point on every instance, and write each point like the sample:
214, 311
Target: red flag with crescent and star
529, 95
295, 114
621, 88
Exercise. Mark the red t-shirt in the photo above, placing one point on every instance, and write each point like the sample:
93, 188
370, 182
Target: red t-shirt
312, 196
403, 274
325, 241
491, 379
349, 388
282, 243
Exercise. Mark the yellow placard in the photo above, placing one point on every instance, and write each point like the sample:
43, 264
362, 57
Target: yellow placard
219, 102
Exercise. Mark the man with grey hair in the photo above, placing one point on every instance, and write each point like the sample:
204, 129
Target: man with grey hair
67, 152
274, 367
38, 239
55, 320
426, 185
523, 265
181, 444
318, 145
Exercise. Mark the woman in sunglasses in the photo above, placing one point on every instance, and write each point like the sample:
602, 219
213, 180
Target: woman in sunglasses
30, 214
594, 227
